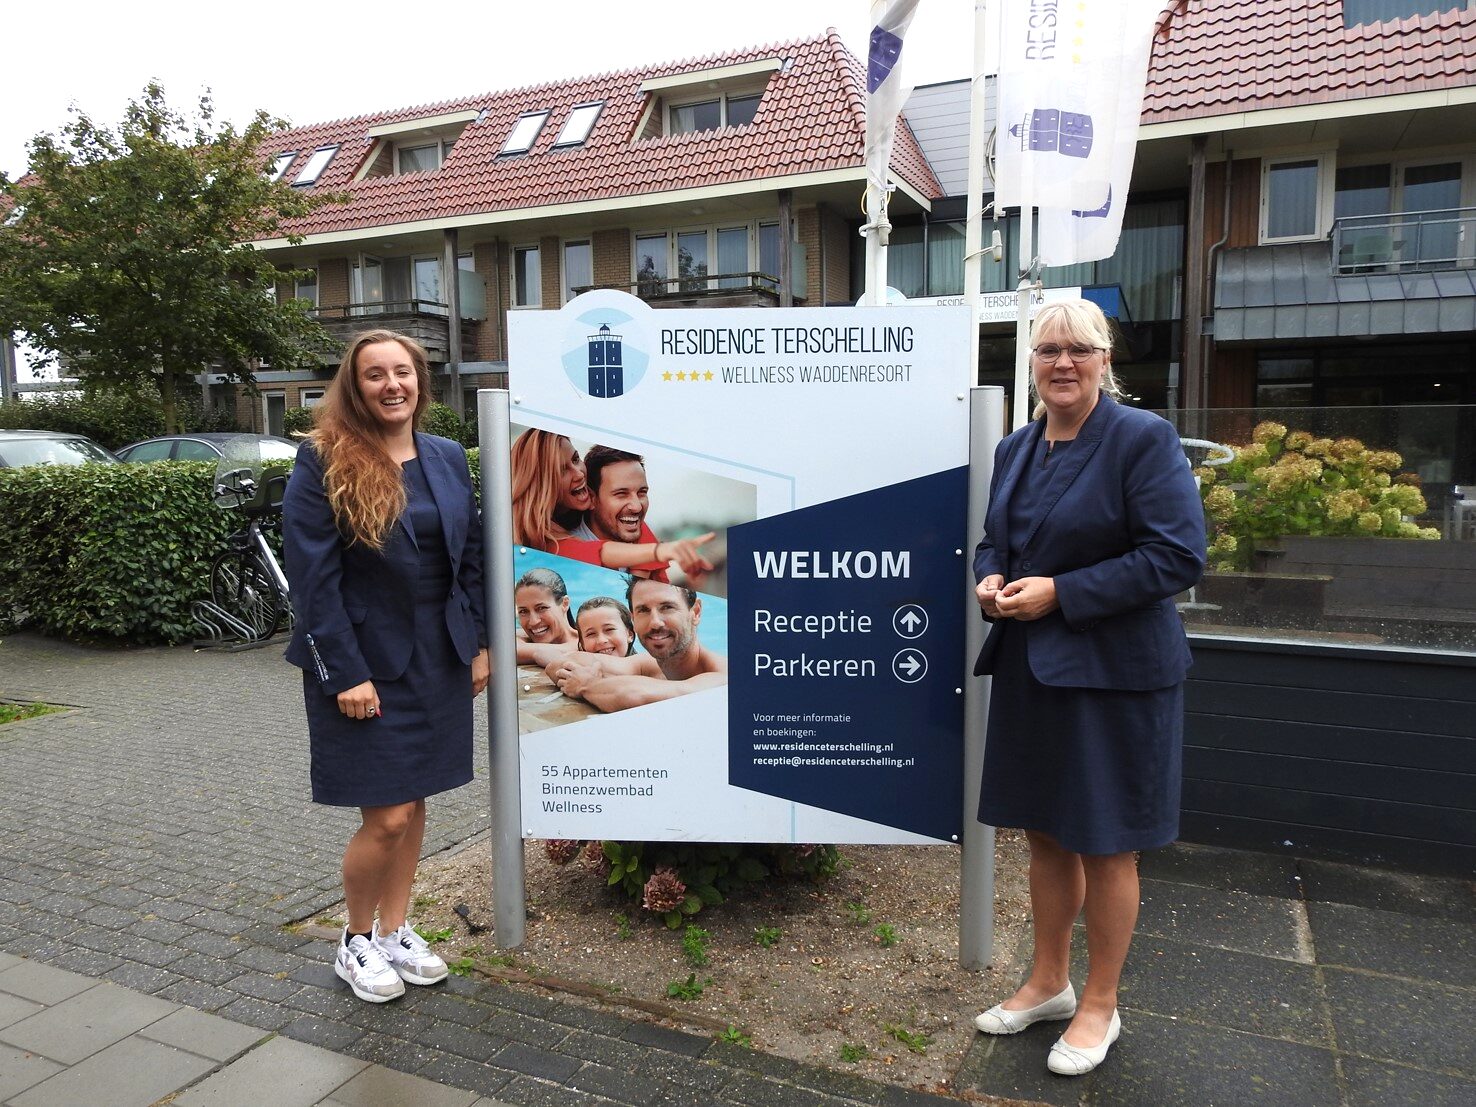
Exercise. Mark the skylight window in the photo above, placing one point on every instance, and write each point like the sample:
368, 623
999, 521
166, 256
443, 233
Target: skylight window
581, 121
315, 165
524, 133
279, 166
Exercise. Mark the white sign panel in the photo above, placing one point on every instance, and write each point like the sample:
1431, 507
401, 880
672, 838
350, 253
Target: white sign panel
793, 677
1004, 307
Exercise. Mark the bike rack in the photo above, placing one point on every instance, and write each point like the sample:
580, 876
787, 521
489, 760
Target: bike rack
222, 630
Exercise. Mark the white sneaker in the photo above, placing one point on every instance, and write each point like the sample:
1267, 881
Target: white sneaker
410, 957
363, 965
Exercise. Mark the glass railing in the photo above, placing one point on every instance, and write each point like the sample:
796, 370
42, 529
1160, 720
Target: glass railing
1415, 241
1351, 525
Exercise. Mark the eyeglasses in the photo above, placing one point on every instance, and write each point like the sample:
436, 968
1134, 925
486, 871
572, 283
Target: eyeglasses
1079, 352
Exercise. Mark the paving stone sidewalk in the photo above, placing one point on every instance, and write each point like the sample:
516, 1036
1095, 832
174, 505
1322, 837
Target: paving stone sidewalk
158, 837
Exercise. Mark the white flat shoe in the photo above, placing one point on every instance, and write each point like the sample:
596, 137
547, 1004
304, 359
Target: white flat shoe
997, 1020
1070, 1060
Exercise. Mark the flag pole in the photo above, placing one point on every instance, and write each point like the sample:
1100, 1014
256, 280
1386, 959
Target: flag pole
974, 219
1020, 405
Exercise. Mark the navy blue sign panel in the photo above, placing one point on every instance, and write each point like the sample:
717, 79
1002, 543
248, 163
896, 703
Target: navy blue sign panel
846, 646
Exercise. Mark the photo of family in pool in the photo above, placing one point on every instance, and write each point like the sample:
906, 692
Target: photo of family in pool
619, 589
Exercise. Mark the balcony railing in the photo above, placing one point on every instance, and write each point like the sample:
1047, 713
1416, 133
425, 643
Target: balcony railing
1405, 242
423, 320
757, 288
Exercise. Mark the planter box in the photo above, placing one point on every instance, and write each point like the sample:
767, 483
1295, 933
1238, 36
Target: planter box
1385, 578
1346, 752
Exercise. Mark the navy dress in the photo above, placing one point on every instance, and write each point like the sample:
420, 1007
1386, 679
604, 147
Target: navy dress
1097, 769
421, 743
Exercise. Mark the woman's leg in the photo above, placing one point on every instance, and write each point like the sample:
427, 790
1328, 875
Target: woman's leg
1056, 890
394, 896
370, 859
1111, 915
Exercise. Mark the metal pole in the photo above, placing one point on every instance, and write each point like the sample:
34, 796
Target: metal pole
509, 890
974, 225
875, 292
452, 280
1020, 403
976, 877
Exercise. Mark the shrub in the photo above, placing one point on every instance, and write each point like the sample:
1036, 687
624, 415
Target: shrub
1288, 482
114, 552
296, 421
112, 419
676, 880
440, 419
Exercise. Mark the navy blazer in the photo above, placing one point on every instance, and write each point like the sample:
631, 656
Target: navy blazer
1121, 532
354, 606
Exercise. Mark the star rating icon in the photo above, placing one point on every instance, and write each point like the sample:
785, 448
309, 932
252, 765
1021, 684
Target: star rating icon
691, 375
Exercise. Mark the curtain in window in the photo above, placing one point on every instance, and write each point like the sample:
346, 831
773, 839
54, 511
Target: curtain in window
1149, 260
945, 259
906, 260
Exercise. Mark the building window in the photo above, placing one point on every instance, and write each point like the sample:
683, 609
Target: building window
577, 127
421, 159
1291, 199
315, 165
311, 397
651, 264
527, 279
280, 165
578, 268
706, 115
1358, 12
306, 287
524, 133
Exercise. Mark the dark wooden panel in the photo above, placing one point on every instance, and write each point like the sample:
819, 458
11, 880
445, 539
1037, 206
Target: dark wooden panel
1341, 845
1341, 778
1391, 674
1298, 809
1366, 709
1332, 743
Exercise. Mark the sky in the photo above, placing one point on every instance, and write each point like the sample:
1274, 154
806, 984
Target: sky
312, 62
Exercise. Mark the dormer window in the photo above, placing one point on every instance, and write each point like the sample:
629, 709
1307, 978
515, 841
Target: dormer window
315, 166
577, 127
524, 133
418, 145
689, 103
279, 166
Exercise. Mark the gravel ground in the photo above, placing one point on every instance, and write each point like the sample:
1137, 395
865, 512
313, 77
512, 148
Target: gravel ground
827, 991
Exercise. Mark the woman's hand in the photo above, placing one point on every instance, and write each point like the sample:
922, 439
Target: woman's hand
1027, 598
359, 702
988, 593
481, 668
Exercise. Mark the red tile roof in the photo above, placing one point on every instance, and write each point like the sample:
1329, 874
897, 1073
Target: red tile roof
811, 119
1225, 56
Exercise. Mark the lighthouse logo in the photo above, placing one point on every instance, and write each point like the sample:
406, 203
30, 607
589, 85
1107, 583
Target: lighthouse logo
603, 352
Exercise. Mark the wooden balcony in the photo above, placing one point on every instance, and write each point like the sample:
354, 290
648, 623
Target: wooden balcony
423, 320
717, 290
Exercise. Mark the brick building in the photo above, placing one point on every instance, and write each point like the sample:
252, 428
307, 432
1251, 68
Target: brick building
724, 181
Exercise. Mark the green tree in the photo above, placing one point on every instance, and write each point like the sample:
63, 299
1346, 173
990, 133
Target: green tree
126, 252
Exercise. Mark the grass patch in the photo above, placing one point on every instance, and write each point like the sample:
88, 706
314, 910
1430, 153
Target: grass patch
15, 712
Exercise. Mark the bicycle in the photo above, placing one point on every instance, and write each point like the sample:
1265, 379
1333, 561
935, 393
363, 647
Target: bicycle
246, 580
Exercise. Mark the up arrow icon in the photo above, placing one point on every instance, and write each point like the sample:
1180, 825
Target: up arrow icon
910, 621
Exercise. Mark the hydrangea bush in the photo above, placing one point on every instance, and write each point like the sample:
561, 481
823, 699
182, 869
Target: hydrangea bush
1290, 482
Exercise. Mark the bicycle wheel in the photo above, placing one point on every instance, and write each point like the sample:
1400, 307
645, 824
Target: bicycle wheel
239, 583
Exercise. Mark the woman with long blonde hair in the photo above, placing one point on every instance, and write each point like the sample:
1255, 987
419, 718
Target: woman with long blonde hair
549, 491
383, 544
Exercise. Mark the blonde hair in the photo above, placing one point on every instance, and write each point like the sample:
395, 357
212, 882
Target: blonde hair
537, 461
1081, 321
365, 488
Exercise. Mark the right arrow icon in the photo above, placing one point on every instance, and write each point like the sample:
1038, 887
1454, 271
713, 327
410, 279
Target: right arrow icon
910, 666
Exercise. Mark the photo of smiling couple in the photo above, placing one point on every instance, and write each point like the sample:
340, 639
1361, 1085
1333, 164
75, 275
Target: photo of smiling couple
633, 630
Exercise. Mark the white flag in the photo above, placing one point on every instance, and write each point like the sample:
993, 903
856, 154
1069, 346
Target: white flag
885, 91
1071, 84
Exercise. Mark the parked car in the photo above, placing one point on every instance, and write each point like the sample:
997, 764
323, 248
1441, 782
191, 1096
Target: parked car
207, 447
23, 447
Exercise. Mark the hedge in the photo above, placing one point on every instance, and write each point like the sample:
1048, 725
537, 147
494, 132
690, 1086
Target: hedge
112, 552
112, 419
108, 552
